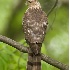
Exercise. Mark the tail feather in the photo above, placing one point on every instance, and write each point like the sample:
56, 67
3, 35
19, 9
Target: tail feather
36, 49
36, 62
34, 57
30, 60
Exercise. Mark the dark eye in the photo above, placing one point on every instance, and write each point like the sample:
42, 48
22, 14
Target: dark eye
29, 1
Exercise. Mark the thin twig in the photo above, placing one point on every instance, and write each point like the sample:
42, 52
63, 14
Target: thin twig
19, 61
24, 49
52, 7
50, 26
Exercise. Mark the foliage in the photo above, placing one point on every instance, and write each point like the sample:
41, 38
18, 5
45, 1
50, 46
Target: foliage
55, 44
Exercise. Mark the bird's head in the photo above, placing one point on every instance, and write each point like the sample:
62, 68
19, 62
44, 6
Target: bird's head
33, 4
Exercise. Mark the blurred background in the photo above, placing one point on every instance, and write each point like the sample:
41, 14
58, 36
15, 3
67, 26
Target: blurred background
55, 43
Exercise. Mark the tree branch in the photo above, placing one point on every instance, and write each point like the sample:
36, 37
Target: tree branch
24, 49
53, 62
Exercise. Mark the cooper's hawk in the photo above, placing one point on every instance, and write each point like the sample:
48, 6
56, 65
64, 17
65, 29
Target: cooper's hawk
34, 26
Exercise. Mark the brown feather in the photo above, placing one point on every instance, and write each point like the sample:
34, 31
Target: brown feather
34, 27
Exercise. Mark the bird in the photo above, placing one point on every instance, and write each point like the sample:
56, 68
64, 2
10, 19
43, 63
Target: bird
34, 24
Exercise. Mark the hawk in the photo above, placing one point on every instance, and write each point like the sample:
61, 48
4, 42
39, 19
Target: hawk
34, 27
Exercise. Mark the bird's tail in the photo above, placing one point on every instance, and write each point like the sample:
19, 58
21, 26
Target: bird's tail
36, 49
30, 60
34, 57
36, 62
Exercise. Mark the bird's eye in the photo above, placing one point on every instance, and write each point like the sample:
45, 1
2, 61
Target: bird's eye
29, 1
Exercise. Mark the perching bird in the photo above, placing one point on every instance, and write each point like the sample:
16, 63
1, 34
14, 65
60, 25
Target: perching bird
34, 27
